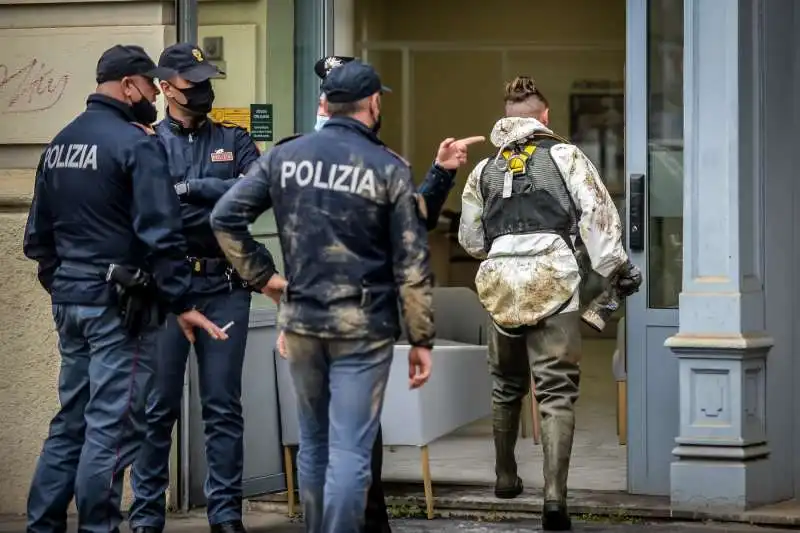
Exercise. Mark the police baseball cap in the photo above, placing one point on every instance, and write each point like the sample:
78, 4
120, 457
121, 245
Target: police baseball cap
352, 82
121, 61
188, 61
323, 67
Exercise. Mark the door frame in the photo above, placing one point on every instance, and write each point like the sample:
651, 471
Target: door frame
644, 325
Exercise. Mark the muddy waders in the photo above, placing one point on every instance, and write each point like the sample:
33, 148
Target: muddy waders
551, 351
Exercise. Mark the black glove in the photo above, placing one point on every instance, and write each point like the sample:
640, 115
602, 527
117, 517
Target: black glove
628, 280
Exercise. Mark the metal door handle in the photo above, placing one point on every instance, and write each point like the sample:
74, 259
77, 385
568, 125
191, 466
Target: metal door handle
636, 215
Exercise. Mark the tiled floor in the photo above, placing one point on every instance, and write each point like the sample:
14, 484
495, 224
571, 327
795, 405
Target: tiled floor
599, 461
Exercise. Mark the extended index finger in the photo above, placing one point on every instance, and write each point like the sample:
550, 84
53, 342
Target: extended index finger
471, 140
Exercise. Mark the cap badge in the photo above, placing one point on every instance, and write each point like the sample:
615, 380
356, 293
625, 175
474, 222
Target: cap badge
198, 55
331, 63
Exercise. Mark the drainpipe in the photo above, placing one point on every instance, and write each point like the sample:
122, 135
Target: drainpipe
187, 20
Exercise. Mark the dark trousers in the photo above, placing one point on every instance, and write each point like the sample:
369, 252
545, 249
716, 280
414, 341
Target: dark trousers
97, 432
220, 371
377, 518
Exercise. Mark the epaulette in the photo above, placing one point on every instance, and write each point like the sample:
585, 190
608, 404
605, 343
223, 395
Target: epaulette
289, 138
398, 156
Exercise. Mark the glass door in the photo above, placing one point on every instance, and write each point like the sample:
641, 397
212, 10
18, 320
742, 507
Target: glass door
654, 169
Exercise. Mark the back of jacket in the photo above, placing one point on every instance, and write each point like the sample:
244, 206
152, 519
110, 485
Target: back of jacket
351, 232
103, 196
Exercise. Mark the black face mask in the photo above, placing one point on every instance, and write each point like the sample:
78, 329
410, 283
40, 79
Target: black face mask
143, 110
199, 98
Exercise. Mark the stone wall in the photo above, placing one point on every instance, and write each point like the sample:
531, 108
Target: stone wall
48, 53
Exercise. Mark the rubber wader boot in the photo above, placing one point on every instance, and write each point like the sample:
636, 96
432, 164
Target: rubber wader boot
505, 425
557, 433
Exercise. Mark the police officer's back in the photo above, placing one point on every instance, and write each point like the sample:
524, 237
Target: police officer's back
354, 243
350, 228
104, 227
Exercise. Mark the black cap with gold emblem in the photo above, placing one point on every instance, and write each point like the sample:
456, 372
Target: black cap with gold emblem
324, 66
189, 62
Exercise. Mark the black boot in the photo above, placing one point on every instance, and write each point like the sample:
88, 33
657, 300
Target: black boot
505, 426
235, 526
557, 434
146, 529
555, 517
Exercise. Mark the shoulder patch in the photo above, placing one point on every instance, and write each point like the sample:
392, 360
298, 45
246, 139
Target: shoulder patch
288, 139
398, 156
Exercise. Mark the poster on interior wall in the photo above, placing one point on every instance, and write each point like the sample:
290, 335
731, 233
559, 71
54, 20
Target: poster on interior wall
597, 128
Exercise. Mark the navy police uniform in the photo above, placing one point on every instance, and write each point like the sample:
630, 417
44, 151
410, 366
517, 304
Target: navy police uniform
434, 191
102, 197
204, 161
353, 243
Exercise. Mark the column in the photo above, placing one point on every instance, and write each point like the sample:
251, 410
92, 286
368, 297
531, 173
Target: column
721, 457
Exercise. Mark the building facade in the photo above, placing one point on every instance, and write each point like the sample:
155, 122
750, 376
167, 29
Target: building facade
702, 165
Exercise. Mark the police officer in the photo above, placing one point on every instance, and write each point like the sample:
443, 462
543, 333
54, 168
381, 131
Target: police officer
354, 242
102, 204
522, 211
205, 159
434, 190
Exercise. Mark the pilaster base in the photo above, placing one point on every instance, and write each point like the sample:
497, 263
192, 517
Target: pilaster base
724, 486
722, 451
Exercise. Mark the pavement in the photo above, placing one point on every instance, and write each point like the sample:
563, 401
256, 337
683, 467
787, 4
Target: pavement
258, 522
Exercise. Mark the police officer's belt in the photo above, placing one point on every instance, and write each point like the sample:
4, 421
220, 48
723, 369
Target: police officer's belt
209, 266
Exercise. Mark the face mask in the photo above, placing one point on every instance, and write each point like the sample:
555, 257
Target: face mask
143, 110
199, 98
321, 120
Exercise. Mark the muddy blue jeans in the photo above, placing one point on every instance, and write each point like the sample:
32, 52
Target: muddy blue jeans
220, 371
339, 386
104, 379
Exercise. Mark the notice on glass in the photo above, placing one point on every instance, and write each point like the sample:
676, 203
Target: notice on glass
261, 122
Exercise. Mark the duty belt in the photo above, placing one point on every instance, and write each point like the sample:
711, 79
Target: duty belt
209, 266
215, 267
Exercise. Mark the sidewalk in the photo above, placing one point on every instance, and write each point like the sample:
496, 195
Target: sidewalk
258, 522
620, 506
194, 522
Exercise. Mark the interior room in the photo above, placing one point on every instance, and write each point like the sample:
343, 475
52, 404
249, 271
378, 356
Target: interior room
446, 63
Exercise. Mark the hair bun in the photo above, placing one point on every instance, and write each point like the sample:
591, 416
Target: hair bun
521, 88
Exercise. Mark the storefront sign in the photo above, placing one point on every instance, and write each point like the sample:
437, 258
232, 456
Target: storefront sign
261, 122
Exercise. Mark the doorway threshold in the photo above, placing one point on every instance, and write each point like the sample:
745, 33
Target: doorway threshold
587, 505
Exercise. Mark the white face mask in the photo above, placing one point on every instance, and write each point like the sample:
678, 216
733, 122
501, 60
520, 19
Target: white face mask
321, 120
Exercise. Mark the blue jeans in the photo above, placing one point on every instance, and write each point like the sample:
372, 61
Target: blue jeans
220, 372
104, 380
339, 386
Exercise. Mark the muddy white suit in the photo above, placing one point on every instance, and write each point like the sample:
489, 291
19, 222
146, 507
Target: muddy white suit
522, 212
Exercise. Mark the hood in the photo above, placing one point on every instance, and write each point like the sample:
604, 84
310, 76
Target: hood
510, 130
